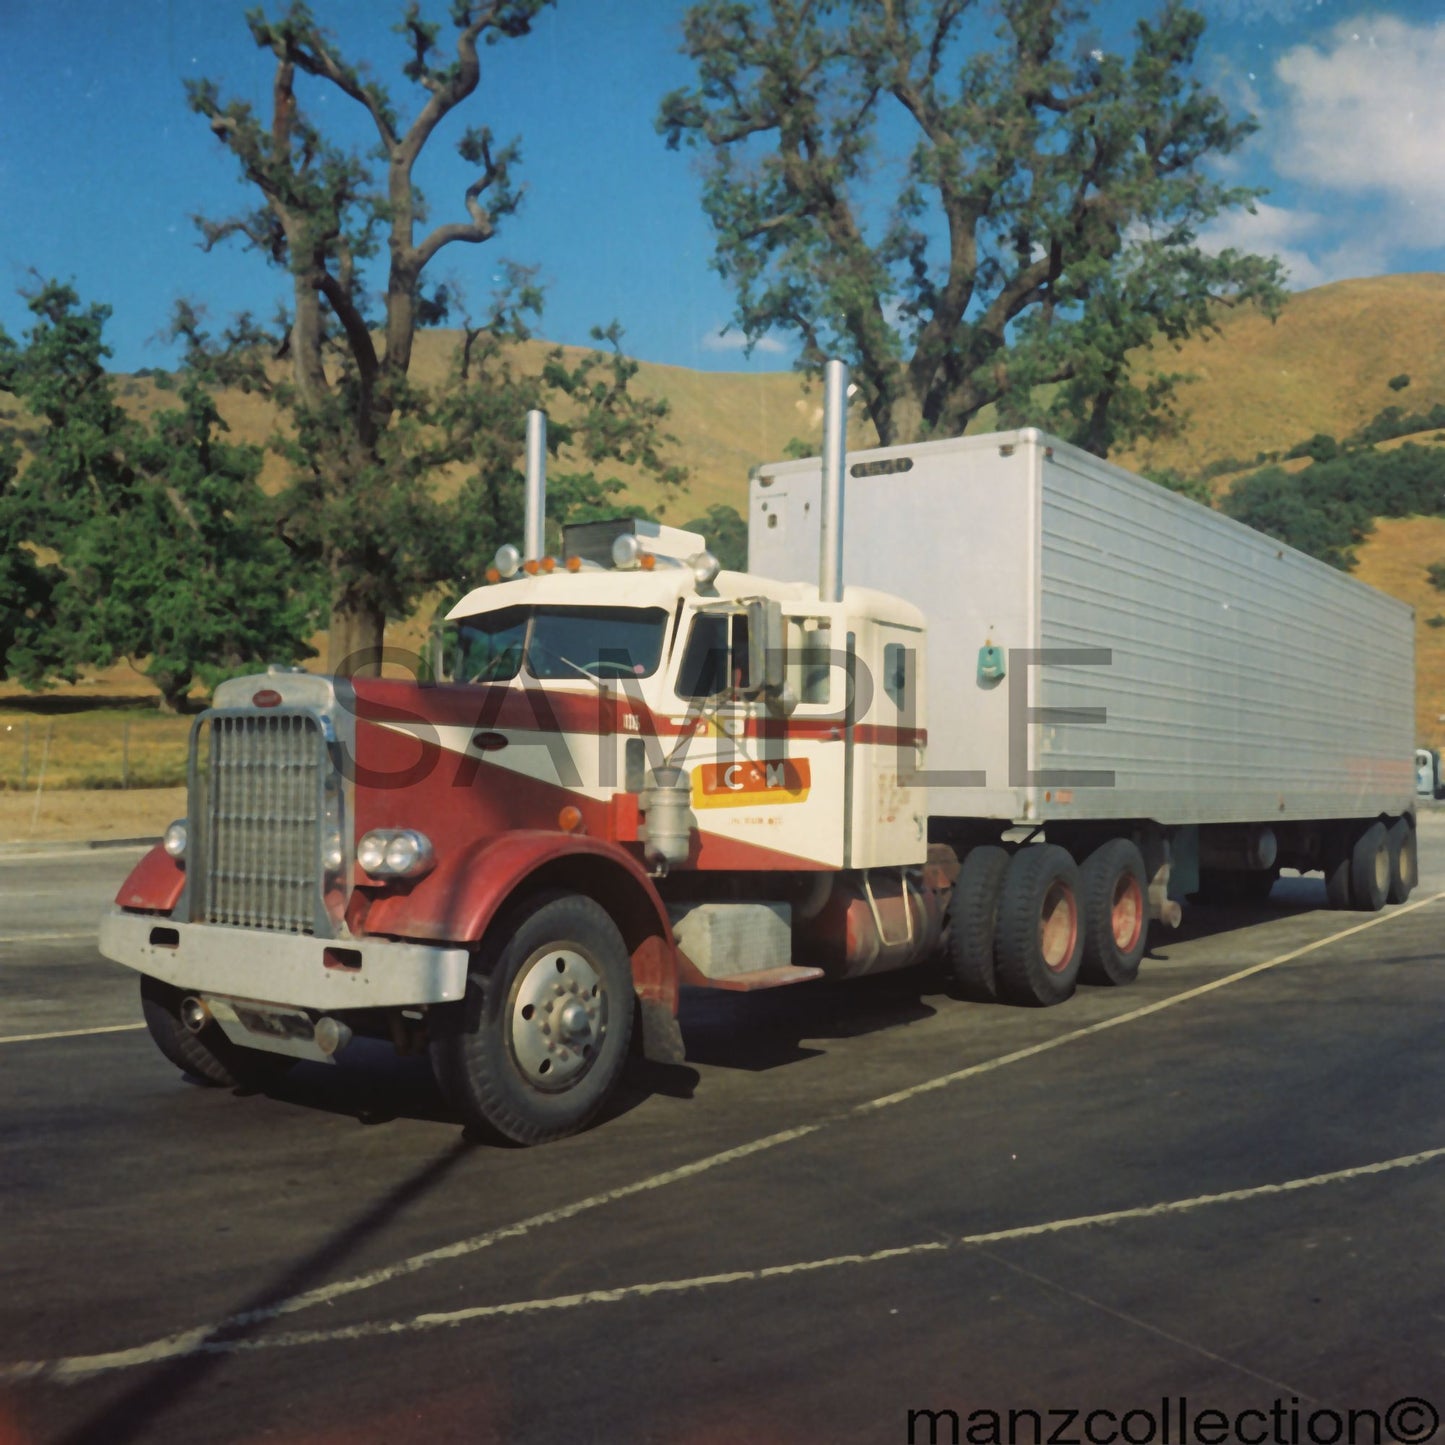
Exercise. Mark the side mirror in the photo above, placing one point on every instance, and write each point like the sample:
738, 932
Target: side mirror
766, 643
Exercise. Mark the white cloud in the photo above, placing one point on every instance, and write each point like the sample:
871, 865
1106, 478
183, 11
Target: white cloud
1301, 240
1366, 117
731, 339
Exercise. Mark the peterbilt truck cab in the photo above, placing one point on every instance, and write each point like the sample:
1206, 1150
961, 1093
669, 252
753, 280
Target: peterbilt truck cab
631, 771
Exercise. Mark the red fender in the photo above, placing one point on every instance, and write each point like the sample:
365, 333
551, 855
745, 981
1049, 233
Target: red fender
154, 884
459, 899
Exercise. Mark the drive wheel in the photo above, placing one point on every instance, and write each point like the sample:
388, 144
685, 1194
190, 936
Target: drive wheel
540, 1039
209, 1055
1040, 939
973, 920
1404, 860
1370, 869
1113, 892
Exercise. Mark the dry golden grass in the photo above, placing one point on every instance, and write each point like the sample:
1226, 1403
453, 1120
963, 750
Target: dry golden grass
1322, 367
1394, 558
89, 739
1260, 387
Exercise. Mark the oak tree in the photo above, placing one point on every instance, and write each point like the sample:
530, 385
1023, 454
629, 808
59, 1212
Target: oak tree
158, 542
968, 220
364, 438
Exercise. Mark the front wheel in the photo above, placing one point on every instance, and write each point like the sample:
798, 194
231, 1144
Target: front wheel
540, 1040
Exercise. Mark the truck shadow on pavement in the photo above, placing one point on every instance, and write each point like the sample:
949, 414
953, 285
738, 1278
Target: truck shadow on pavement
133, 1415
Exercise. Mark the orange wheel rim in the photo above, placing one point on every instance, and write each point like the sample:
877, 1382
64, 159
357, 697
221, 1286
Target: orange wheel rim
1126, 912
1058, 927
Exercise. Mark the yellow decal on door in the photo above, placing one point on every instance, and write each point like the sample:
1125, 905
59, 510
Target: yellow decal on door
739, 784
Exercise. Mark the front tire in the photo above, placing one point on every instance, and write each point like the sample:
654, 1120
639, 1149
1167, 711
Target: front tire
540, 1040
1040, 939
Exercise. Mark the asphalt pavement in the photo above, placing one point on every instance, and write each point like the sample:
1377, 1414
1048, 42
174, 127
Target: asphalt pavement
857, 1209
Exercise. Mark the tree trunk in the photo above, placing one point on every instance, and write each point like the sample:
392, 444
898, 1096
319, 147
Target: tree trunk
173, 689
354, 640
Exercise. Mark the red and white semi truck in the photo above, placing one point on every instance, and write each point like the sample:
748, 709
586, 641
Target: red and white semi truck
989, 696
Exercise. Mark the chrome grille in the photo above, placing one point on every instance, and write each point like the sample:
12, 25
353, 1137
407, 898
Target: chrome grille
265, 809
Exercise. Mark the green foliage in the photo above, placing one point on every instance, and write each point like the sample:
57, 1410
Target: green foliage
1399, 383
727, 535
1195, 488
1436, 573
1436, 621
1045, 225
1320, 448
166, 546
365, 440
1329, 508
1395, 421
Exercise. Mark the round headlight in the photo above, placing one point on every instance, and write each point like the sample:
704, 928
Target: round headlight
333, 857
507, 560
407, 853
174, 841
371, 852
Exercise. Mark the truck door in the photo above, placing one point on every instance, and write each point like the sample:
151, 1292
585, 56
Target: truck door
761, 773
888, 811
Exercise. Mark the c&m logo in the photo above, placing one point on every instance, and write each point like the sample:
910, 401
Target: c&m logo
743, 784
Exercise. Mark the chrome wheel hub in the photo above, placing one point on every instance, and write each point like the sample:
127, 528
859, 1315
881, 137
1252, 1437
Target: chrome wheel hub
559, 1017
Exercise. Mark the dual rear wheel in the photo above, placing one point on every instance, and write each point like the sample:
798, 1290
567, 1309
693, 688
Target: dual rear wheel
1025, 928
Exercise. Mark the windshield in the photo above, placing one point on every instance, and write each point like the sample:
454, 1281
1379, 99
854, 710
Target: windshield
554, 642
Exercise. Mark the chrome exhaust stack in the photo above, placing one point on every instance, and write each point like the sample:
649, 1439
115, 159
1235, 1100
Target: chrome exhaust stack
195, 1013
835, 453
534, 534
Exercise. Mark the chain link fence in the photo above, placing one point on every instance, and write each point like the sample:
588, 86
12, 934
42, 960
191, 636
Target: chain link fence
105, 748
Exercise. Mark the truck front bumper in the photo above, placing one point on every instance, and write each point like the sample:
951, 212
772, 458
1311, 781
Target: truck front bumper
285, 968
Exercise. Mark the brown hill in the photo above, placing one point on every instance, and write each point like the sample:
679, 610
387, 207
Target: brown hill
1257, 387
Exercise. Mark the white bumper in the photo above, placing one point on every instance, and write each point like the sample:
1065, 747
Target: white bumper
285, 968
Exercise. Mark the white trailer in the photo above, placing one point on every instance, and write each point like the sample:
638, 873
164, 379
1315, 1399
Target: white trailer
1213, 674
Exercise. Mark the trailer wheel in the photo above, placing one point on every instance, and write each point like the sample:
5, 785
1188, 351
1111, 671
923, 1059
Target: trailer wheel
1114, 893
209, 1055
1370, 869
973, 922
540, 1039
1404, 860
1336, 864
1040, 937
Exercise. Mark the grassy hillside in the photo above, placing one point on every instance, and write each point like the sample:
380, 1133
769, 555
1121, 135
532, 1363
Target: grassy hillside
1258, 388
1323, 366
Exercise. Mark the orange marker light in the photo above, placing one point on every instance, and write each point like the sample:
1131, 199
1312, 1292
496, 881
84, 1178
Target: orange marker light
549, 564
493, 575
647, 561
569, 819
574, 564
530, 566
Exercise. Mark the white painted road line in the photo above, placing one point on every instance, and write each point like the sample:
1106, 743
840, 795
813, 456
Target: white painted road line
71, 1033
72, 937
76, 1368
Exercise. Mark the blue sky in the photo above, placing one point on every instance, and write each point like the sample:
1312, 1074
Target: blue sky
102, 165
